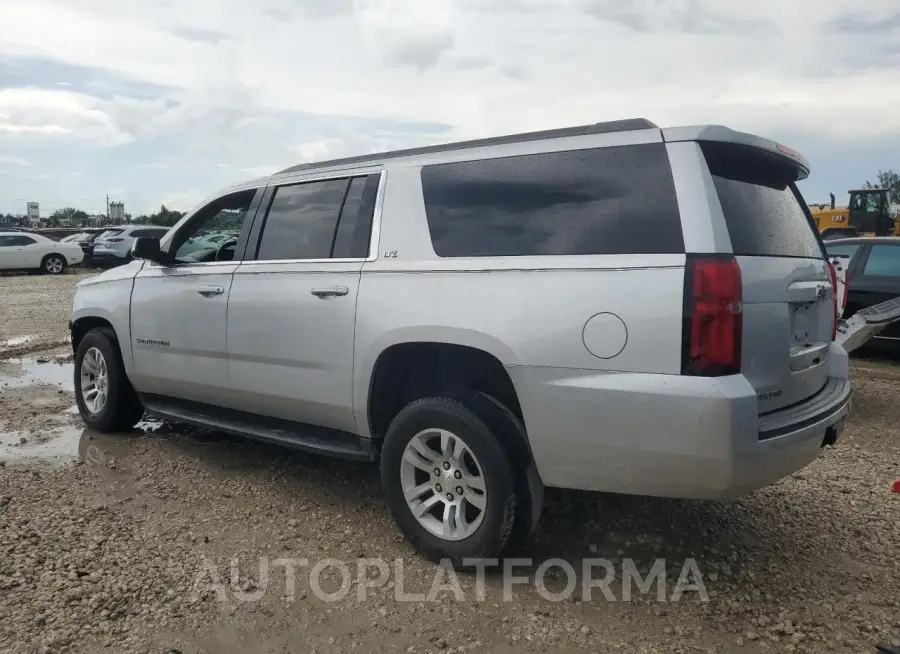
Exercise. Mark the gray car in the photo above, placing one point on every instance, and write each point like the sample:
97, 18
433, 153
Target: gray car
614, 307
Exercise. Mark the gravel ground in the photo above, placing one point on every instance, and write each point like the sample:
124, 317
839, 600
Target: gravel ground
36, 310
112, 543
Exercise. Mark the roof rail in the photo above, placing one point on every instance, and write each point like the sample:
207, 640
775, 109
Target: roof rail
627, 125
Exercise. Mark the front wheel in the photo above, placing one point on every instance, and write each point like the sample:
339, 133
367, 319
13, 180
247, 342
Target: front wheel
106, 399
449, 483
53, 264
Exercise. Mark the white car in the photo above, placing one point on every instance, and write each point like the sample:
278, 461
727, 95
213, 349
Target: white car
27, 251
113, 247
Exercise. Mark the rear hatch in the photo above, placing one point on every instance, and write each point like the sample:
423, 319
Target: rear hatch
788, 299
109, 236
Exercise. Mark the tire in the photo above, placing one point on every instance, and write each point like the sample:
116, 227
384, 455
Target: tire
489, 530
53, 264
121, 410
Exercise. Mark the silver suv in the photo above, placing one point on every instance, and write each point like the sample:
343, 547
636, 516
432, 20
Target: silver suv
615, 307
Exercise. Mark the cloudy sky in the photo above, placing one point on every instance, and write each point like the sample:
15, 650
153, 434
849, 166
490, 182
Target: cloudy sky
164, 101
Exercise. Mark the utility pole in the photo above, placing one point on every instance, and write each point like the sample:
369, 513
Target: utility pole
107, 206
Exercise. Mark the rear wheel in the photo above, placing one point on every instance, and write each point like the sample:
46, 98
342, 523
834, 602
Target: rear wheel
53, 264
448, 480
106, 399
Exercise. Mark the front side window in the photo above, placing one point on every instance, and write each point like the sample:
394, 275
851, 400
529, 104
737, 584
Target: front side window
212, 233
883, 261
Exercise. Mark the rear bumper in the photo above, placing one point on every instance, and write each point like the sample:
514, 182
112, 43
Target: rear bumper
671, 436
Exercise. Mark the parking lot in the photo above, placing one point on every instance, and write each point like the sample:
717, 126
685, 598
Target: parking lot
113, 542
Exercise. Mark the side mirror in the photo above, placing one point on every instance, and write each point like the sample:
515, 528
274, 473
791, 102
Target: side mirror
147, 247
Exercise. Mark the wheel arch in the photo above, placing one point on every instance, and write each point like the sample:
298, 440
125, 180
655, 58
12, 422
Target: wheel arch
413, 363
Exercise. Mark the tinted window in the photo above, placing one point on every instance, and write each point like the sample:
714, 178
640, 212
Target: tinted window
763, 209
603, 201
23, 240
883, 261
301, 221
355, 227
848, 249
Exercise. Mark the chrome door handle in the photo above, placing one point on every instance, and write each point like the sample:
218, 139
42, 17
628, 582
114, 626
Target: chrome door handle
210, 291
330, 291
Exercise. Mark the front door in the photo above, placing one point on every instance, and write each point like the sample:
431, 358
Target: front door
179, 310
292, 311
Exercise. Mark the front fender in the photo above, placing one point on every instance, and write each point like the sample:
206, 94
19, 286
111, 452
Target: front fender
109, 301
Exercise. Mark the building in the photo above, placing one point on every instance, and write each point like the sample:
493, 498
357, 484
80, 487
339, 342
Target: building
117, 212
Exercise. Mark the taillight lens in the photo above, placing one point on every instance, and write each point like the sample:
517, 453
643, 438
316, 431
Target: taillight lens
115, 240
834, 303
713, 315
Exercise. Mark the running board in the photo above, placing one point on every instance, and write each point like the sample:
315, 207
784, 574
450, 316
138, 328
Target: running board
301, 436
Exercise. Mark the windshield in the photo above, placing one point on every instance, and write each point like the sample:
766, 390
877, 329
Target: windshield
111, 232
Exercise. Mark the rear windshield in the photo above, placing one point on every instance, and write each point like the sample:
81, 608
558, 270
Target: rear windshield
765, 214
111, 232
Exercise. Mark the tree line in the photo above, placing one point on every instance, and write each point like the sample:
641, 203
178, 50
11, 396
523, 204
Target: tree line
890, 180
80, 218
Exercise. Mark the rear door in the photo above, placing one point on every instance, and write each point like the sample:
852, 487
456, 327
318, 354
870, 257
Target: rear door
877, 280
788, 310
292, 311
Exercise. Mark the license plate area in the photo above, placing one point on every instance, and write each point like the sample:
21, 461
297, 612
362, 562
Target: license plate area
803, 322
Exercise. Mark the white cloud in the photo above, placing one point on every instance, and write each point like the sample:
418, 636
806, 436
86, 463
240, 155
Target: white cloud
237, 82
56, 113
15, 161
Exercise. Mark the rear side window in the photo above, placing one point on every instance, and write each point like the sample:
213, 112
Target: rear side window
883, 261
765, 214
617, 200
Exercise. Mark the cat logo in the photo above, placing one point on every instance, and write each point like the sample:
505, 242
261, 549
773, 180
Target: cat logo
821, 291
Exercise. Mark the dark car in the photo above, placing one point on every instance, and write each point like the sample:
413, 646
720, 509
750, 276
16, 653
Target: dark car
86, 241
873, 276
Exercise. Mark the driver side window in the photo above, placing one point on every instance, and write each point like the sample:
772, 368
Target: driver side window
212, 233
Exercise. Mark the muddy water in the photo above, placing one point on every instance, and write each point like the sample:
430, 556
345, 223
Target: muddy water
53, 445
31, 372
17, 341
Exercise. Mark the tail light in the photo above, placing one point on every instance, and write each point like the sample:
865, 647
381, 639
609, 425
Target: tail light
713, 317
834, 294
115, 240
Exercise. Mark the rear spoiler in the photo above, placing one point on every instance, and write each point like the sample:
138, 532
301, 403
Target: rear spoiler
723, 134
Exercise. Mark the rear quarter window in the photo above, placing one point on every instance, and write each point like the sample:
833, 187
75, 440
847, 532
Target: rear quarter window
616, 200
764, 211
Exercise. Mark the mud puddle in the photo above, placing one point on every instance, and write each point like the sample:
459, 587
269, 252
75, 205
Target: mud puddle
53, 445
18, 341
32, 372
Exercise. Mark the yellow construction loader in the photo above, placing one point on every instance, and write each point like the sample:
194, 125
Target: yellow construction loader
867, 214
